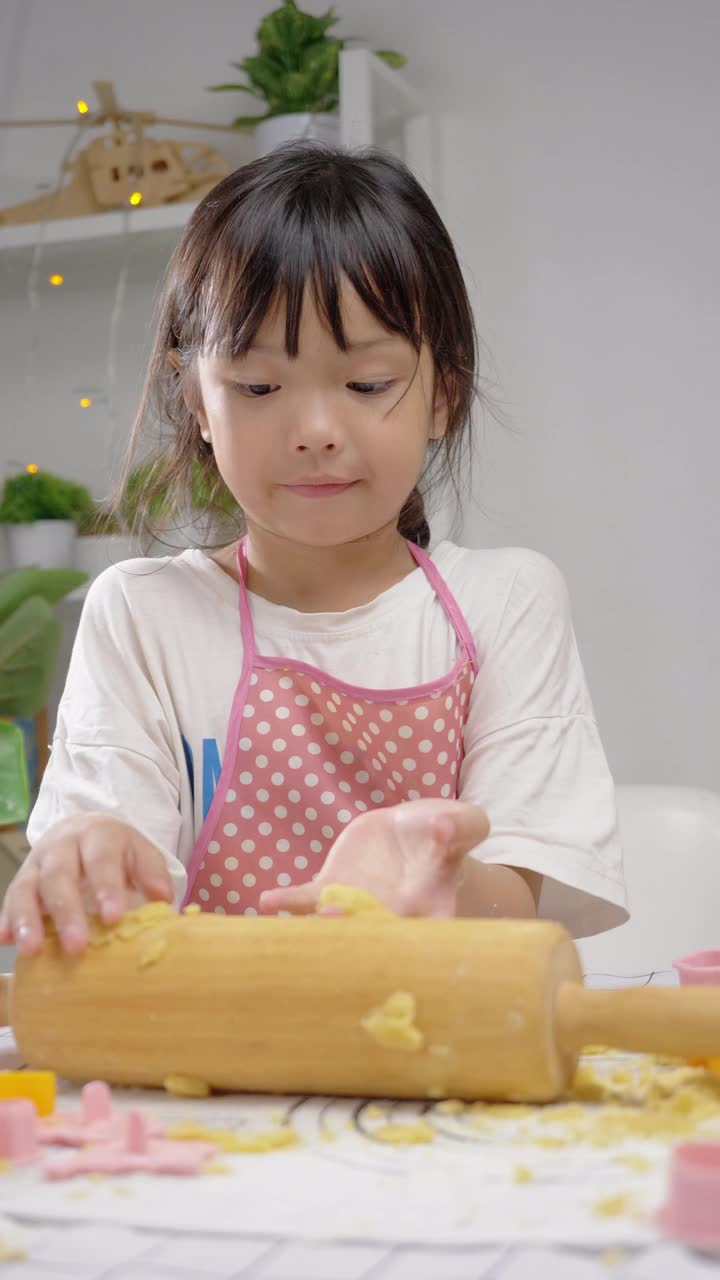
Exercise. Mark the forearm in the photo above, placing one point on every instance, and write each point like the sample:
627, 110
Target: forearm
488, 889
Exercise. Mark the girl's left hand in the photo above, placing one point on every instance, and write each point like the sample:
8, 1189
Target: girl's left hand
408, 856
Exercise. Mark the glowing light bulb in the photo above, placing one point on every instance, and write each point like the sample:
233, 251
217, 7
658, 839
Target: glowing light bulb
136, 197
32, 468
85, 402
56, 279
82, 107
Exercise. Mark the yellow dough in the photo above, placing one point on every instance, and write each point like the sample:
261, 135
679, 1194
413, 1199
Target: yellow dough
404, 1135
186, 1086
236, 1143
153, 951
352, 901
392, 1023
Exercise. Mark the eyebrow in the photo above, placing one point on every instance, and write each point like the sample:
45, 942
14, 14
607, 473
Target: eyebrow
363, 345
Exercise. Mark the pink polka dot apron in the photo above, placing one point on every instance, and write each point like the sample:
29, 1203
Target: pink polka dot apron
306, 753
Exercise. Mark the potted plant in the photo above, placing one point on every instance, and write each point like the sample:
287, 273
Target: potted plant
102, 540
296, 75
29, 639
41, 512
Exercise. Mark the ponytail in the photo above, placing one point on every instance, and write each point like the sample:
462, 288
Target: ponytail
412, 521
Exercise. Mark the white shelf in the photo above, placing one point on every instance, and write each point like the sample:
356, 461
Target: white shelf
97, 226
376, 104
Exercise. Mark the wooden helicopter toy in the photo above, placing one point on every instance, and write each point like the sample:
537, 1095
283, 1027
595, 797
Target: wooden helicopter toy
123, 167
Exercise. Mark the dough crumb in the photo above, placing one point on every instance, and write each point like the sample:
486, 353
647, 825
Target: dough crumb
11, 1246
153, 952
351, 901
373, 1112
186, 1086
436, 1091
216, 1166
612, 1206
236, 1143
612, 1257
192, 909
522, 1175
392, 1024
403, 1135
635, 1162
451, 1107
132, 923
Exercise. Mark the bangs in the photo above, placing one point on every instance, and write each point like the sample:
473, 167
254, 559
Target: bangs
319, 227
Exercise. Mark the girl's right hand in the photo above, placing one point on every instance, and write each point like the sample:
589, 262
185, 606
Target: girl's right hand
85, 864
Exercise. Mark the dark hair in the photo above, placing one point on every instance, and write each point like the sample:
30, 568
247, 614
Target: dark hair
304, 212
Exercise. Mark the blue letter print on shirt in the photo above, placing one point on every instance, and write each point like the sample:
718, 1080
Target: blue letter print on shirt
211, 768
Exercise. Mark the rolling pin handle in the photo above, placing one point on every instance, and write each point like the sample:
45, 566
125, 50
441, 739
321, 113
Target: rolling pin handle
683, 1022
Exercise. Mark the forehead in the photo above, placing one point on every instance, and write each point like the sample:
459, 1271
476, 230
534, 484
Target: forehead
361, 328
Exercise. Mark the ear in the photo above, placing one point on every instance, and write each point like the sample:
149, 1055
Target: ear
440, 411
193, 403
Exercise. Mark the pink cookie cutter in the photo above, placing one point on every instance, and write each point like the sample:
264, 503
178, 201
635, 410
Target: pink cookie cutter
18, 1131
138, 1152
702, 968
96, 1121
692, 1211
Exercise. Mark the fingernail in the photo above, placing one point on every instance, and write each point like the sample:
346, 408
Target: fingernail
26, 938
111, 908
73, 937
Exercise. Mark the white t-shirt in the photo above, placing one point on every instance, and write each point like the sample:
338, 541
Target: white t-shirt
142, 722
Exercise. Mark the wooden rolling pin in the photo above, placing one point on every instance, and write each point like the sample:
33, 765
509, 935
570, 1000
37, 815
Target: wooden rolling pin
291, 1006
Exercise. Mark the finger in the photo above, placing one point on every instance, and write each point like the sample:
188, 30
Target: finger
24, 915
470, 826
147, 869
301, 900
104, 872
59, 894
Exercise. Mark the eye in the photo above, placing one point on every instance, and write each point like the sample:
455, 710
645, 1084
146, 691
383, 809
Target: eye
369, 388
254, 390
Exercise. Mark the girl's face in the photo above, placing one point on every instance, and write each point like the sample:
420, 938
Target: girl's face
282, 430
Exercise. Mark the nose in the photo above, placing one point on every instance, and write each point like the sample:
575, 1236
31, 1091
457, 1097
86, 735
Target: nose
316, 427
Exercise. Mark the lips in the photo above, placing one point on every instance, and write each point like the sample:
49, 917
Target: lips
321, 489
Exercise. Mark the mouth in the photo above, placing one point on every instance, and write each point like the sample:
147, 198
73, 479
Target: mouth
321, 490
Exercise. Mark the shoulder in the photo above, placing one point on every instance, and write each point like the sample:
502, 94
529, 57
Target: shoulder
154, 597
150, 583
500, 580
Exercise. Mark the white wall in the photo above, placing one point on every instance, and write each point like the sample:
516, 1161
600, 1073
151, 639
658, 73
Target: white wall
578, 174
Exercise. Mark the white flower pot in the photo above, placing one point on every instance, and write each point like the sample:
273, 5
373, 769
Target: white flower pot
94, 553
47, 544
323, 127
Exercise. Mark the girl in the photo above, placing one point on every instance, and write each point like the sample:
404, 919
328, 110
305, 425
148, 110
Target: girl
321, 700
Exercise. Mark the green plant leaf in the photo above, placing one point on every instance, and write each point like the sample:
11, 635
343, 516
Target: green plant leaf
50, 584
14, 786
234, 88
29, 641
249, 122
390, 57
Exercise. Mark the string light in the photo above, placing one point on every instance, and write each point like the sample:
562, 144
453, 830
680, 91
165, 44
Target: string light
32, 468
82, 107
85, 402
136, 197
56, 279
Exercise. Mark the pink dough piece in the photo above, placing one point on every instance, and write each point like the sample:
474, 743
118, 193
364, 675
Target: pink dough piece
18, 1131
96, 1121
137, 1153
